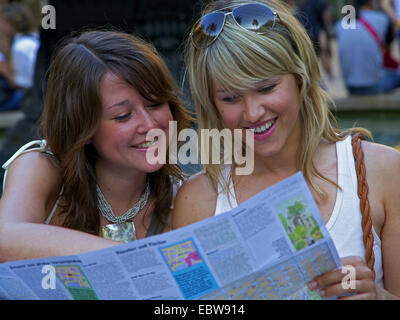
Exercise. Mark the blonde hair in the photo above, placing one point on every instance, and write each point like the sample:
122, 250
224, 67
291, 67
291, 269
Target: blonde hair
238, 59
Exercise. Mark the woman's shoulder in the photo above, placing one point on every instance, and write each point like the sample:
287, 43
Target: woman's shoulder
381, 157
35, 178
382, 167
378, 157
197, 180
197, 188
33, 155
36, 159
36, 169
195, 200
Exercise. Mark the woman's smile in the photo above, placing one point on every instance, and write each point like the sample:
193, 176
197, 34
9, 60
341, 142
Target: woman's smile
271, 116
264, 130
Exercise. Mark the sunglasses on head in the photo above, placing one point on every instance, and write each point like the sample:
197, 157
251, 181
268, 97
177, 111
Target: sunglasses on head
253, 17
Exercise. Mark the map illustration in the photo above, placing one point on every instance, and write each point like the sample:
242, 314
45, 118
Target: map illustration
76, 282
188, 268
299, 223
181, 255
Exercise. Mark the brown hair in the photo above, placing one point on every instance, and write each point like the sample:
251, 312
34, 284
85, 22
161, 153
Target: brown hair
73, 110
19, 16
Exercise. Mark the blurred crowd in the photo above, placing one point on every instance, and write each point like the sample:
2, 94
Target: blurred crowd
19, 43
366, 37
365, 52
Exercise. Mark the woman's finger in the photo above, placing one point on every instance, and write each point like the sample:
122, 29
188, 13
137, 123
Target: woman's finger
339, 289
344, 276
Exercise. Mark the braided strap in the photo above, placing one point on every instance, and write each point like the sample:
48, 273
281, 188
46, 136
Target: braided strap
362, 187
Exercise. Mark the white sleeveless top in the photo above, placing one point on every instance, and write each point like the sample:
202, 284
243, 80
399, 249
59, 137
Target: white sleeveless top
344, 225
36, 145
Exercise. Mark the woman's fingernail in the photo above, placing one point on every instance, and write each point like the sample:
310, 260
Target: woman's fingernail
313, 285
322, 293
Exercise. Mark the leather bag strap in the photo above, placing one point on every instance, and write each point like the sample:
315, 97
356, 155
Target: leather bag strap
362, 190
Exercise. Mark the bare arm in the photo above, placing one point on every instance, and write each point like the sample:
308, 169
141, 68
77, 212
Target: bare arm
387, 7
383, 172
32, 185
391, 228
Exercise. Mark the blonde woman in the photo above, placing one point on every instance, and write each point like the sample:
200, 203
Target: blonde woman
252, 67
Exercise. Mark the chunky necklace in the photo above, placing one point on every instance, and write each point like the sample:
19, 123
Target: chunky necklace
121, 229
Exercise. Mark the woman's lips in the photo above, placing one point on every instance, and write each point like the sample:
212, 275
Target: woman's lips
268, 128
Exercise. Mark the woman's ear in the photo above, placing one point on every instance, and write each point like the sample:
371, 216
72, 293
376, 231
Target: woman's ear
298, 80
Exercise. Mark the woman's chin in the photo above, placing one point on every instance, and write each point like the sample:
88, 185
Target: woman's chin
152, 167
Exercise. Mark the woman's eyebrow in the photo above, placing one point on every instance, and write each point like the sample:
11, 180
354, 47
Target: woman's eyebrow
268, 80
118, 104
225, 90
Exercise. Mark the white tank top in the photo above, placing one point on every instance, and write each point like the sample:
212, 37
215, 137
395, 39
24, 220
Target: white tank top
344, 225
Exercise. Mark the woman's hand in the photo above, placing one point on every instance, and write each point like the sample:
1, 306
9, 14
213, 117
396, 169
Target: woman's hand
353, 281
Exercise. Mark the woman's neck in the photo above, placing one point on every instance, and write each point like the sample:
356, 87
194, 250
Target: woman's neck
285, 161
282, 163
121, 190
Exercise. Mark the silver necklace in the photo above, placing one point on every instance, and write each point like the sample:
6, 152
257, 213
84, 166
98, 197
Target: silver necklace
107, 212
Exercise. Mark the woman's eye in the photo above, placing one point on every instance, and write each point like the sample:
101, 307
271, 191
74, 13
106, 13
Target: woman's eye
124, 117
266, 89
155, 105
230, 99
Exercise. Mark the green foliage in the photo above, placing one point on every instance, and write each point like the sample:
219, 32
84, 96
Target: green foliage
300, 244
296, 209
316, 233
283, 220
300, 232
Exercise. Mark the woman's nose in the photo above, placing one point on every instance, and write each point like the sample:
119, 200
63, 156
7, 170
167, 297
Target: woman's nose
145, 120
253, 109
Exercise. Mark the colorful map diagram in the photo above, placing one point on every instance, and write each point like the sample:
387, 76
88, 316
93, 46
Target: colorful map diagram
76, 282
181, 255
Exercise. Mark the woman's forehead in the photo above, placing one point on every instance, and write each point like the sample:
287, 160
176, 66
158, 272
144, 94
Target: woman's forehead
226, 87
111, 79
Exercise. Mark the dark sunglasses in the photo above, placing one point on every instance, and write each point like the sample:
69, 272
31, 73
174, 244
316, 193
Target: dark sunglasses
253, 17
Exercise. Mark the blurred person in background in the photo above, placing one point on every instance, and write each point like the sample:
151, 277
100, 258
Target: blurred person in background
392, 9
314, 15
3, 3
20, 42
361, 51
